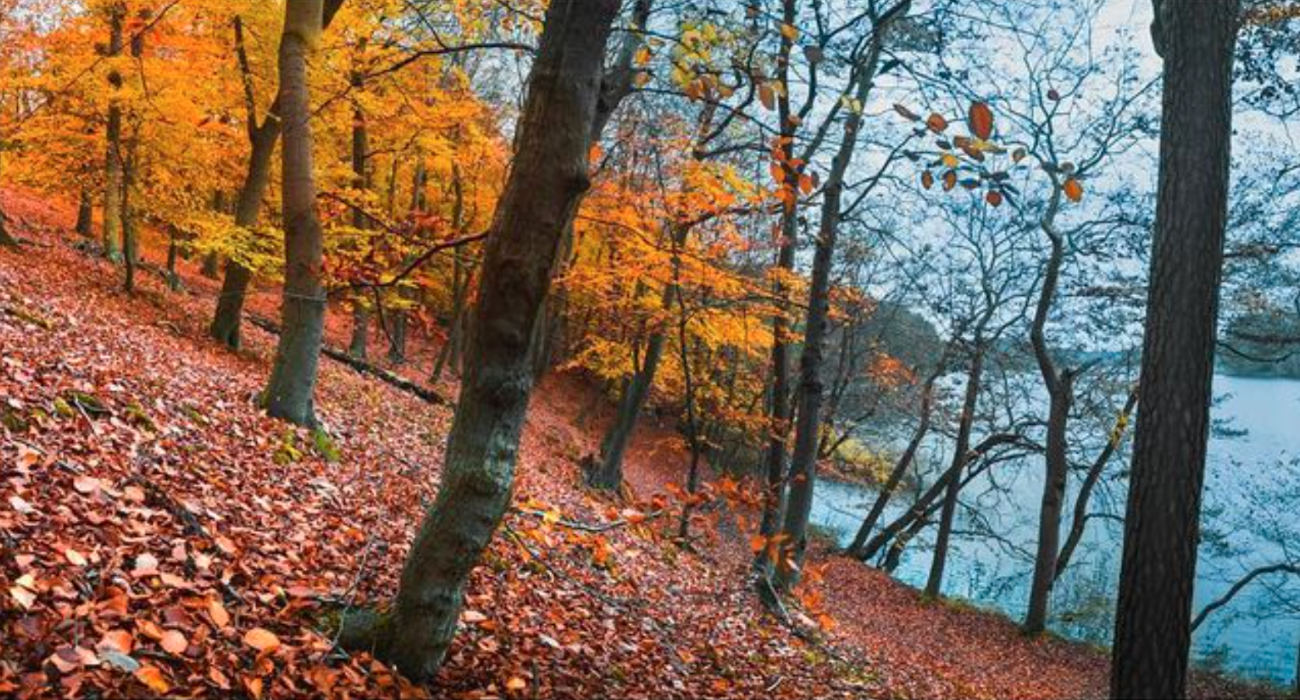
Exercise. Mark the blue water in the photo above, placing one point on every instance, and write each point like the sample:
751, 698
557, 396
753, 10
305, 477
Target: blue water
1255, 636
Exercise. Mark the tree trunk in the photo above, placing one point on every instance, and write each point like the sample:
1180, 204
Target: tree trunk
290, 390
1090, 482
803, 460
360, 331
130, 220
234, 287
1053, 502
112, 232
1060, 392
960, 456
615, 84
85, 213
540, 198
900, 469
609, 472
261, 139
778, 404
1161, 529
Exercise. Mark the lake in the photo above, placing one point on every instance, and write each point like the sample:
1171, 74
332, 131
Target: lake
1254, 636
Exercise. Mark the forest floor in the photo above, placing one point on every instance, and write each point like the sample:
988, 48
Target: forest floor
160, 535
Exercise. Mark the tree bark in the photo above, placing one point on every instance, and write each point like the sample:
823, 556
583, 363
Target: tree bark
960, 457
1161, 528
262, 138
289, 392
803, 460
112, 225
778, 404
1060, 392
540, 198
130, 165
1090, 482
615, 84
85, 213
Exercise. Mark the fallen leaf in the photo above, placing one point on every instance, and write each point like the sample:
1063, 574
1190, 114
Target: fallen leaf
262, 639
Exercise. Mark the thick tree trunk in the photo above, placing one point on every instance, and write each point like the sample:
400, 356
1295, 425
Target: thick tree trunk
960, 457
900, 469
539, 200
615, 84
85, 214
112, 231
289, 392
1161, 528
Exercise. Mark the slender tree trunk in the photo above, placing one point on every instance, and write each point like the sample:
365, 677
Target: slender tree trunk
212, 262
1161, 529
1080, 520
960, 457
540, 198
803, 459
131, 220
1053, 503
112, 232
361, 222
900, 469
778, 404
609, 471
85, 213
289, 392
1060, 392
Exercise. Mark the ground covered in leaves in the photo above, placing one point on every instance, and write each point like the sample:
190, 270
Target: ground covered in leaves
160, 536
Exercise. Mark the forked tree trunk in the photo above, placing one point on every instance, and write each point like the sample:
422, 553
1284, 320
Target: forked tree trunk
1161, 528
112, 232
540, 197
289, 392
803, 459
262, 137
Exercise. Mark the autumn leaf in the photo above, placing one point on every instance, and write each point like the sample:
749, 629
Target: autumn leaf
993, 197
767, 96
949, 180
218, 613
981, 120
1073, 190
174, 642
153, 678
927, 179
262, 639
86, 484
516, 684
936, 122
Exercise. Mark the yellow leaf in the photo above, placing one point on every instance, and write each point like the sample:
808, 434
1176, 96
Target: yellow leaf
516, 684
789, 31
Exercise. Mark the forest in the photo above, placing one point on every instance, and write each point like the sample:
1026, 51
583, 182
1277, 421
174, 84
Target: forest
649, 349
